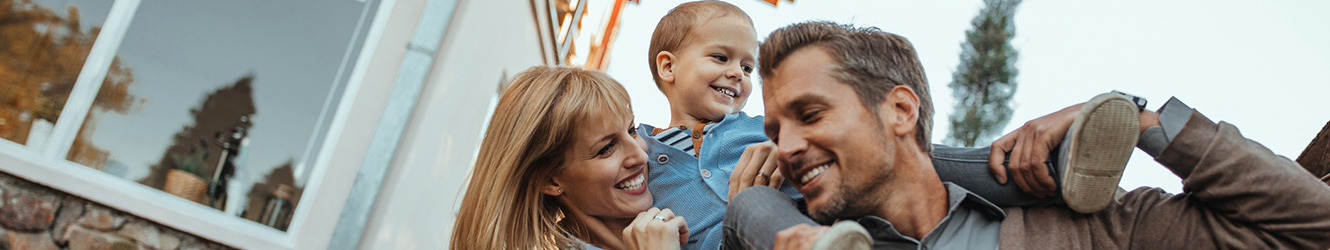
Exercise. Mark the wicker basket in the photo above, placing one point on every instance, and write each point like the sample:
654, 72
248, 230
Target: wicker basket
186, 185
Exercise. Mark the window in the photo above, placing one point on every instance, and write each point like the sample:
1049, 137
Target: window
43, 45
223, 102
230, 107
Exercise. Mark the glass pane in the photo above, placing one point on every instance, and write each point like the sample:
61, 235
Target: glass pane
231, 100
43, 44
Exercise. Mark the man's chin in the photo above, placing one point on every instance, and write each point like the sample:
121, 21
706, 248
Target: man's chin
828, 211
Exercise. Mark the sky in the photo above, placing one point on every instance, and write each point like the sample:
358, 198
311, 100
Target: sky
1255, 64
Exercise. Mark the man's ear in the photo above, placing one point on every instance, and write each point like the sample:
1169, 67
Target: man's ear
665, 67
901, 106
552, 188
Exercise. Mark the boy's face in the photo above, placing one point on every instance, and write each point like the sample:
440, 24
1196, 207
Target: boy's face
711, 75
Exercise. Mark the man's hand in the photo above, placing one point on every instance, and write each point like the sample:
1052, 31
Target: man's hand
756, 167
1029, 146
649, 231
799, 237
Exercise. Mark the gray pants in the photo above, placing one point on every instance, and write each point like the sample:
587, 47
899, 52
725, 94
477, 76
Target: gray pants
764, 211
968, 167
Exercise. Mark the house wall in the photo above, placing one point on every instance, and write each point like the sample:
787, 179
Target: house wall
486, 43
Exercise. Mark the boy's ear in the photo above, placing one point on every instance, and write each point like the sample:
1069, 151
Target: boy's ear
902, 105
552, 188
665, 66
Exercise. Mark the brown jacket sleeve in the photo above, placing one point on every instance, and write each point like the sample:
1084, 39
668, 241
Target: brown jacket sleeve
1237, 195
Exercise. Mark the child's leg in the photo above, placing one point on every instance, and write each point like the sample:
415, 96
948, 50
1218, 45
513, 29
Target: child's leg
1093, 153
755, 215
968, 167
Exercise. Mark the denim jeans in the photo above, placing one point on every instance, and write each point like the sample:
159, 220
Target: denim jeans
968, 167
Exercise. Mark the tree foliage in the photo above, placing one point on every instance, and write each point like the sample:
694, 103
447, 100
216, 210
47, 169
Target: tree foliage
41, 57
985, 81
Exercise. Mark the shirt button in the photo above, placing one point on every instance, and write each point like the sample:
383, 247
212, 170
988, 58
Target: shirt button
662, 158
706, 174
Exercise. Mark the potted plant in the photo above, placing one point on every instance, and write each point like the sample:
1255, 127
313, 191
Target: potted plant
185, 179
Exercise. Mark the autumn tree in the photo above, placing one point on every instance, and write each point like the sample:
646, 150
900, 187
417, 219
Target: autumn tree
985, 81
41, 56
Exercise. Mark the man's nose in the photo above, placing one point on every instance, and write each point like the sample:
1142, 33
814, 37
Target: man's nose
792, 144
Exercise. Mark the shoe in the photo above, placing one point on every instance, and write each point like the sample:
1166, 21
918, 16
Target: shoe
1099, 143
844, 235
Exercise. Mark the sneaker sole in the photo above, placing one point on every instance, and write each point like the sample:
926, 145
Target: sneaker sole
844, 235
1103, 138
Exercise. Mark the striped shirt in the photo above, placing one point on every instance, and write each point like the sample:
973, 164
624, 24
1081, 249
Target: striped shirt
678, 137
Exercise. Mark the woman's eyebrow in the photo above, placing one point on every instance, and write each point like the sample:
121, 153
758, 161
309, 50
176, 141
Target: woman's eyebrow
596, 144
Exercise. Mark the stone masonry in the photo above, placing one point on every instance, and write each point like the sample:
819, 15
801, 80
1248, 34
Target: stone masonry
36, 217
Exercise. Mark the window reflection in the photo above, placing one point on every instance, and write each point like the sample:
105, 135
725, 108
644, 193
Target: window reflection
43, 45
229, 101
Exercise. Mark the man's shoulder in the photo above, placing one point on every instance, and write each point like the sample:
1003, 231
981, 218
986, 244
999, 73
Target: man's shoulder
959, 197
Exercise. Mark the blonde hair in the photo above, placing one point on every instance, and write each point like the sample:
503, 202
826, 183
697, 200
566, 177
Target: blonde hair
676, 27
524, 147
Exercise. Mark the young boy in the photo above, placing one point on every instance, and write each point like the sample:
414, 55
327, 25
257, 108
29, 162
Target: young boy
702, 57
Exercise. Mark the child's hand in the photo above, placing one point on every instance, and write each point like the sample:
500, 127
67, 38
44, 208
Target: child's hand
757, 166
656, 229
799, 237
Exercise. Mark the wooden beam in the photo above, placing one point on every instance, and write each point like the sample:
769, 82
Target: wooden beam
1316, 158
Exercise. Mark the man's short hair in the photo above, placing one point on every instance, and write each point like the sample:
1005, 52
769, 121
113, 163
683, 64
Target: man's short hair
868, 59
674, 30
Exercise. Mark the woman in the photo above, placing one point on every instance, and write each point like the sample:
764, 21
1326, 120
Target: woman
562, 167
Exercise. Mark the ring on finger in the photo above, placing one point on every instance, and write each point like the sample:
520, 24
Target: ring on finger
762, 173
661, 218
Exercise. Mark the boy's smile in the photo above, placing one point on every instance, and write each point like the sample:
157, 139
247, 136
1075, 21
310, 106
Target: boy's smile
712, 73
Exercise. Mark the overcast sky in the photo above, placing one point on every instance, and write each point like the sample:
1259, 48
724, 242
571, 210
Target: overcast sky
1256, 64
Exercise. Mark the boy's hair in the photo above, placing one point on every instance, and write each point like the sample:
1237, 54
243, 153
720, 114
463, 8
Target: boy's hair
868, 59
674, 30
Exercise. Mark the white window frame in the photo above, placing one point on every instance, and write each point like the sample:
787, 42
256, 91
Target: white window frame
314, 221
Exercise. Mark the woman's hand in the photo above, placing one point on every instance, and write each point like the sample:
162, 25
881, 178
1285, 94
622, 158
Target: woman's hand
656, 229
756, 167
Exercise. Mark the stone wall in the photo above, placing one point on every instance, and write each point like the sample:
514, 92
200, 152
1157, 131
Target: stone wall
37, 217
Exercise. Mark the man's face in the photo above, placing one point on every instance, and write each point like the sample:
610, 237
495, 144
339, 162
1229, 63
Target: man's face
832, 148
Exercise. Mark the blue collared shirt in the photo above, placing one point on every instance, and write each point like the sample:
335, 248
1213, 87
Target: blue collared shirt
697, 188
971, 223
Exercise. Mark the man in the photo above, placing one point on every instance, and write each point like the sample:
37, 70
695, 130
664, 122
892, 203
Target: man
858, 151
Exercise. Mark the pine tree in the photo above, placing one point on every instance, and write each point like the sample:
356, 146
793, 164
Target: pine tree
985, 81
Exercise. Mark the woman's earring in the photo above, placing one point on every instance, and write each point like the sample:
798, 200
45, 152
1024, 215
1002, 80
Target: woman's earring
560, 191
